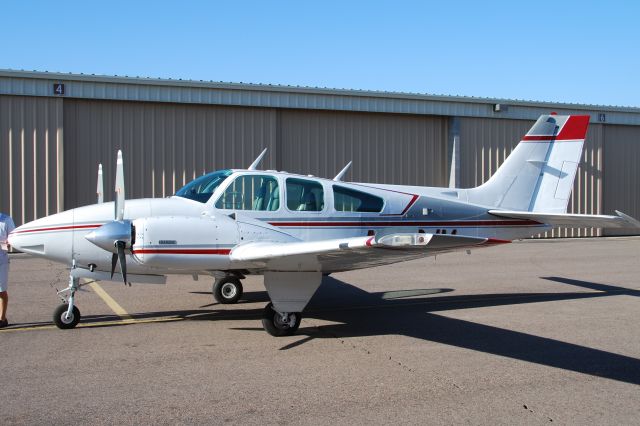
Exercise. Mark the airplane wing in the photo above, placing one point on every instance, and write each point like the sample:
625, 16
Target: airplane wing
349, 253
621, 220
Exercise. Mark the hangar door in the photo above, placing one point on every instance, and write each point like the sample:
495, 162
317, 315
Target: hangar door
621, 173
384, 148
164, 145
31, 150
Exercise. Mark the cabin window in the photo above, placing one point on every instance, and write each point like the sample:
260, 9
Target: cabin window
202, 188
348, 200
304, 195
251, 192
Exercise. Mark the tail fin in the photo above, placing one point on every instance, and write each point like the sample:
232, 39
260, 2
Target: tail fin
538, 174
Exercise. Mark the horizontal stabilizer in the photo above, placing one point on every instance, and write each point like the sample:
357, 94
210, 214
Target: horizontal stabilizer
621, 220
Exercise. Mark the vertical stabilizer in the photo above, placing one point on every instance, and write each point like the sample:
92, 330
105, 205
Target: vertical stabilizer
538, 175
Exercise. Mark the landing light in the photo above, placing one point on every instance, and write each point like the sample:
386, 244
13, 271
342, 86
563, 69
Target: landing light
400, 240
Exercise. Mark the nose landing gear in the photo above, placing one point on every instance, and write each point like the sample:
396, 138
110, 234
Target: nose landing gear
67, 315
63, 320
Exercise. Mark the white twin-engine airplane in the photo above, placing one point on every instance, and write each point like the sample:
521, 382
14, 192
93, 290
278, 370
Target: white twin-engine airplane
294, 229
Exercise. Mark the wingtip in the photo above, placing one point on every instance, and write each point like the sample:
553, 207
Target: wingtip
635, 223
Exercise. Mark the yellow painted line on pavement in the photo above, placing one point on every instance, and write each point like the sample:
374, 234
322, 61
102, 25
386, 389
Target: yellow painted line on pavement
115, 307
95, 324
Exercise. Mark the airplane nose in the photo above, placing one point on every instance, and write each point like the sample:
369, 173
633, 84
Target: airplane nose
14, 239
49, 236
22, 239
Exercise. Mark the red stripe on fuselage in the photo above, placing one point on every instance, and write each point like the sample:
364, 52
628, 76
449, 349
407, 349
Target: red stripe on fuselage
491, 223
58, 228
182, 251
411, 203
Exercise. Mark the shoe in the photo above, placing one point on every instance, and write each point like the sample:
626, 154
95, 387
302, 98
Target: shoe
4, 323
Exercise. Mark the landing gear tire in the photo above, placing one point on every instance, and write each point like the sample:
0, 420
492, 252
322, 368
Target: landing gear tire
227, 290
62, 321
277, 324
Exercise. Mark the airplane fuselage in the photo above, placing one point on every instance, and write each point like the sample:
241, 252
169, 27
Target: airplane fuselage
183, 235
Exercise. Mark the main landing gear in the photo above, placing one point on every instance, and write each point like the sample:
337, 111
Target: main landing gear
227, 290
289, 293
67, 315
280, 323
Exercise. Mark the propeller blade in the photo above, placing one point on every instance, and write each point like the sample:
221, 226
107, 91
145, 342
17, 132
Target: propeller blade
123, 261
114, 260
119, 204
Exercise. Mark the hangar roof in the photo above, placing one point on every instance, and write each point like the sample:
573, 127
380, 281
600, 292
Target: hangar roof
83, 86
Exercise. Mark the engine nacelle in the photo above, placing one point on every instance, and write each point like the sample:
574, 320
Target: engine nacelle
192, 243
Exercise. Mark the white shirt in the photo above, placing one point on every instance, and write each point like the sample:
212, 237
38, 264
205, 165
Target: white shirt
6, 226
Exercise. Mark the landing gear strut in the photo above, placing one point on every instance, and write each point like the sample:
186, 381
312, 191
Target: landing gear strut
227, 290
280, 323
67, 315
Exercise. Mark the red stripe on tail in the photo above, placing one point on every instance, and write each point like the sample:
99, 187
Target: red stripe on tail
574, 129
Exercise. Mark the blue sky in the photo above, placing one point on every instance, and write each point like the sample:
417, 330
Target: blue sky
561, 51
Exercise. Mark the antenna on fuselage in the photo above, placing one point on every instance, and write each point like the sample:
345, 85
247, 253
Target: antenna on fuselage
100, 187
344, 171
257, 160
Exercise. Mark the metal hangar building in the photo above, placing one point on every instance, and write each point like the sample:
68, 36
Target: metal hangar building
55, 128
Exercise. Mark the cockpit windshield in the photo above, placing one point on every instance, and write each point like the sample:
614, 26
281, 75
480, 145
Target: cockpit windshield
202, 188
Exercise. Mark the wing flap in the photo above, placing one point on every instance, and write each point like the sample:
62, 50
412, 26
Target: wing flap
621, 220
348, 253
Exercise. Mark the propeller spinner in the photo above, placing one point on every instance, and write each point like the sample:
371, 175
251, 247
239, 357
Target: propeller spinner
118, 235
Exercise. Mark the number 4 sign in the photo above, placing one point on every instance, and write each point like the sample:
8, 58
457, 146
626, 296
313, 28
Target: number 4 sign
58, 88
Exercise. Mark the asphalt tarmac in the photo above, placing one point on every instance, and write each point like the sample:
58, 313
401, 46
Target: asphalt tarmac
535, 332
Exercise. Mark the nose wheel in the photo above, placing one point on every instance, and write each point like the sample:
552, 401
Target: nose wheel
67, 315
280, 323
227, 290
64, 319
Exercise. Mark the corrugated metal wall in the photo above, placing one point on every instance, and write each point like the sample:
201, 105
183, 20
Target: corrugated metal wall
50, 148
164, 145
622, 172
31, 157
485, 144
587, 194
394, 149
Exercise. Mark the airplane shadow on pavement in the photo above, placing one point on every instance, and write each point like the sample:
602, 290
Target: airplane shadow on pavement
419, 319
357, 313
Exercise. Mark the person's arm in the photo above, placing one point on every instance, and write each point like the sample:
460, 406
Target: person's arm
9, 226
